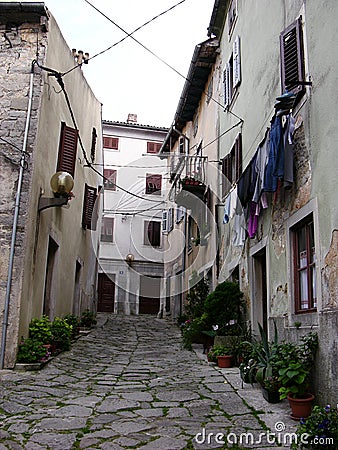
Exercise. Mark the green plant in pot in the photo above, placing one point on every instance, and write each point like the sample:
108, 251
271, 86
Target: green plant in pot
61, 332
88, 319
74, 322
294, 364
223, 355
31, 351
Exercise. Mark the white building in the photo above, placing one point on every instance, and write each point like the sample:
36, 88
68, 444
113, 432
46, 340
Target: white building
131, 256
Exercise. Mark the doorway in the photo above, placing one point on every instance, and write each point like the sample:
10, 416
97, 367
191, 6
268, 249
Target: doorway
149, 300
48, 301
260, 297
106, 293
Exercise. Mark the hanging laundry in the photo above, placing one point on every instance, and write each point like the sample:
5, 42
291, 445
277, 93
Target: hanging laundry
239, 228
259, 167
288, 151
230, 205
275, 165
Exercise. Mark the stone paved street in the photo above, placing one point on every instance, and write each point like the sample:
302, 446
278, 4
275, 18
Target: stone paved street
128, 384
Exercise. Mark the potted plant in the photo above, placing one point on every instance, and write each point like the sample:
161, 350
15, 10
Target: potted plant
270, 389
61, 335
88, 319
223, 355
295, 363
74, 322
319, 430
247, 370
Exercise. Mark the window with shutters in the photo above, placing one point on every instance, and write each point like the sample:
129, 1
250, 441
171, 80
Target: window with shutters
107, 229
153, 184
93, 146
304, 263
232, 15
110, 179
232, 73
89, 218
111, 143
180, 211
152, 233
292, 58
232, 166
153, 147
67, 149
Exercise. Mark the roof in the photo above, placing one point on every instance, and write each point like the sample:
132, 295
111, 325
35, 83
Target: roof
201, 64
217, 17
134, 125
16, 13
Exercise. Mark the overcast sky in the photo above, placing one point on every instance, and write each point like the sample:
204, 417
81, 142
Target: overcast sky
127, 78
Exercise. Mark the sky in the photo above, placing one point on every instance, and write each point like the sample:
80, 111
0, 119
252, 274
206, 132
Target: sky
127, 78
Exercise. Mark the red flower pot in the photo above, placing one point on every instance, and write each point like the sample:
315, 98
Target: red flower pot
300, 407
224, 361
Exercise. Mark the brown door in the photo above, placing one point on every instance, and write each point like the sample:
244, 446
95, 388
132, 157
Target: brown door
149, 300
106, 294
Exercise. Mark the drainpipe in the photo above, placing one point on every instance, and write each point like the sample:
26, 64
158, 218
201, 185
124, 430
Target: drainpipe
15, 222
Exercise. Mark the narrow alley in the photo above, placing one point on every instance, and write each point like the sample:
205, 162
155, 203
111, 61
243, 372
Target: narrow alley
129, 384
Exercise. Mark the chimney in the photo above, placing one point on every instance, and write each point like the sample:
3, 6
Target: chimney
132, 118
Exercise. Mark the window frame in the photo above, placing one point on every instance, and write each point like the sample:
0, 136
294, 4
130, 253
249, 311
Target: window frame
152, 233
309, 269
111, 143
107, 223
153, 147
232, 16
232, 73
109, 185
153, 179
232, 165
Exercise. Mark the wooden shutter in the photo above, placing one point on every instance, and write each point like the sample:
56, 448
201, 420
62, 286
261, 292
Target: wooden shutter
226, 83
67, 149
88, 208
164, 221
111, 142
292, 57
236, 79
170, 219
93, 147
238, 156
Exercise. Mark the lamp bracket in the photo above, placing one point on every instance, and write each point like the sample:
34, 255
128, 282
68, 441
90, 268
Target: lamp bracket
45, 202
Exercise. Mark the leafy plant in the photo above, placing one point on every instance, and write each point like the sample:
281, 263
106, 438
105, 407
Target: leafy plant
192, 332
295, 367
30, 351
320, 429
224, 307
61, 333
40, 330
264, 352
74, 322
221, 350
196, 297
88, 319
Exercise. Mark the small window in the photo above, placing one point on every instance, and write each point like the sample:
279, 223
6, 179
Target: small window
67, 149
152, 233
110, 179
153, 147
107, 229
304, 255
89, 219
153, 184
232, 73
93, 147
232, 166
292, 58
111, 142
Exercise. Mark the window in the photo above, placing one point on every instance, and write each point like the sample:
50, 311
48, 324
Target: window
93, 147
167, 220
67, 149
89, 219
110, 179
111, 142
152, 233
107, 229
304, 256
232, 15
153, 147
180, 211
292, 58
153, 184
232, 73
232, 166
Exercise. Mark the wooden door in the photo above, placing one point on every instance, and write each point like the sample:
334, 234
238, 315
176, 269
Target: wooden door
106, 294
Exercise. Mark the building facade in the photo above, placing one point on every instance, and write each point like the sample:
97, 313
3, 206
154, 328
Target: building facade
131, 252
277, 139
50, 123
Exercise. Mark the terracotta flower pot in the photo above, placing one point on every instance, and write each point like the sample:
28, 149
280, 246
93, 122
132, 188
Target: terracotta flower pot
224, 361
300, 407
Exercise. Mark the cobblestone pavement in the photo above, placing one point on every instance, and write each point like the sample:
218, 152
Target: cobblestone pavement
128, 384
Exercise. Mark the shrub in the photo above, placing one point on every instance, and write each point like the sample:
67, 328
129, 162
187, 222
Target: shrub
30, 351
74, 322
61, 334
88, 319
40, 330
